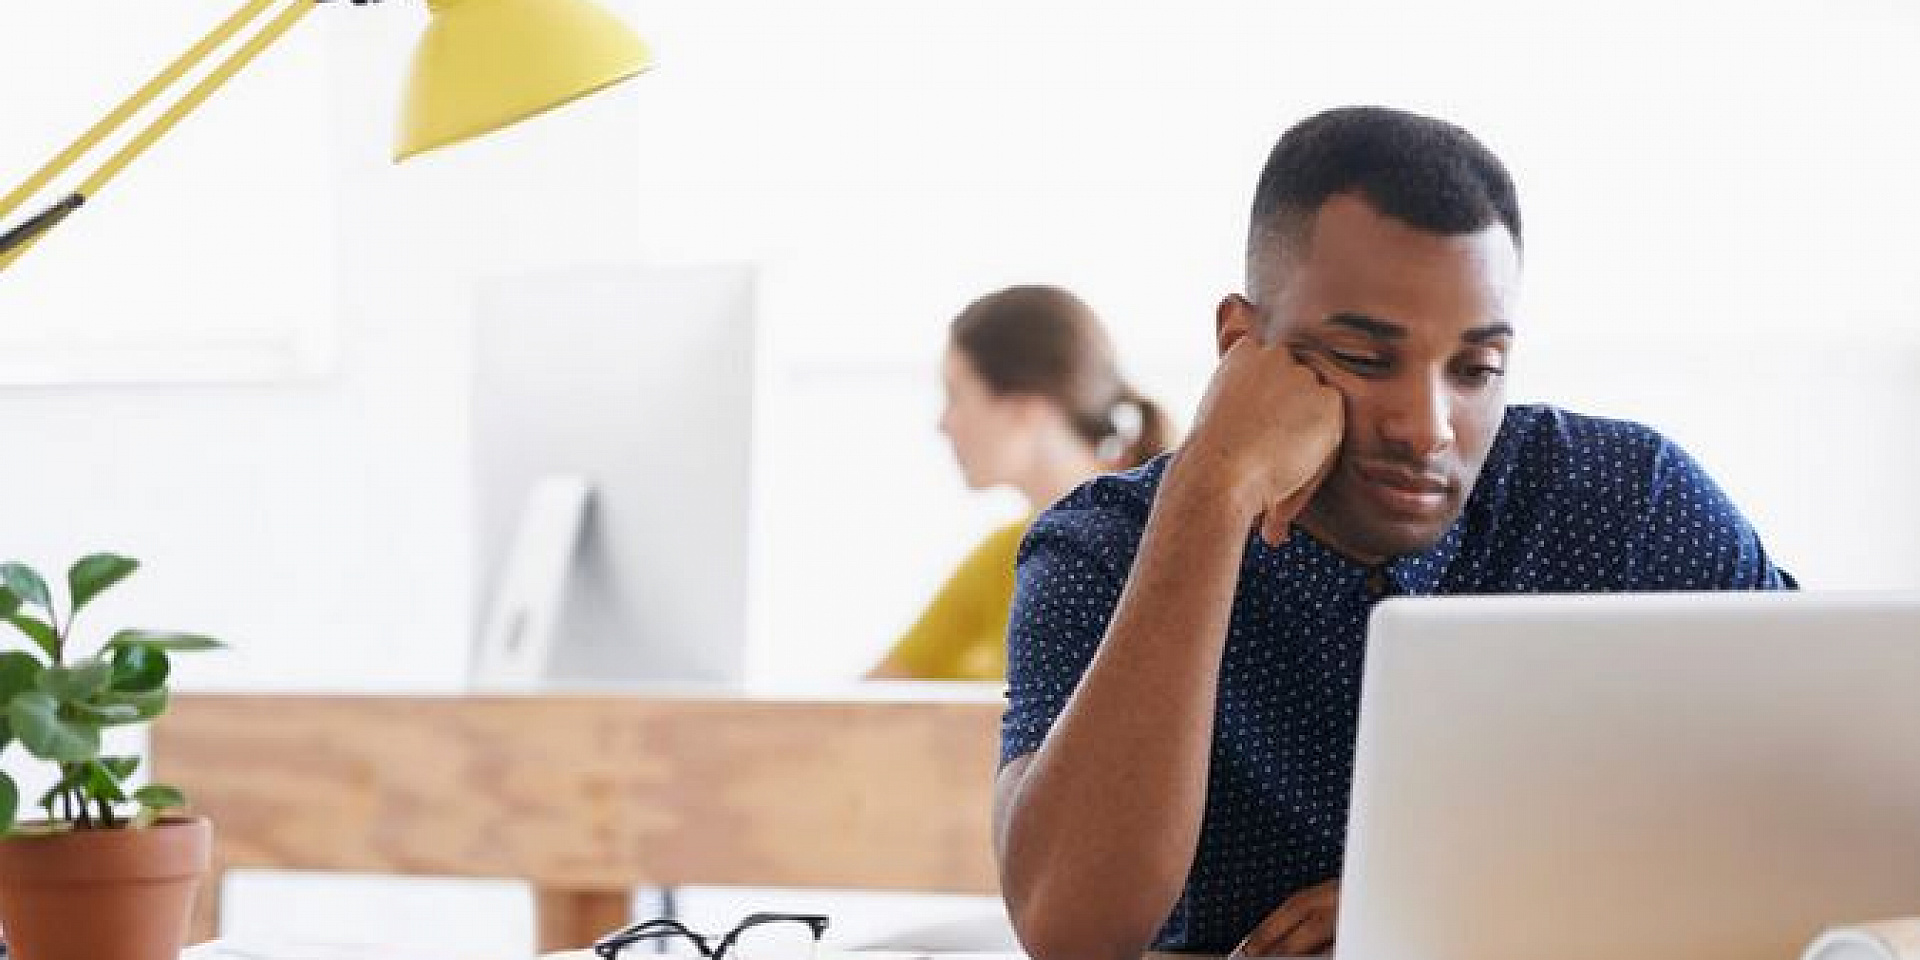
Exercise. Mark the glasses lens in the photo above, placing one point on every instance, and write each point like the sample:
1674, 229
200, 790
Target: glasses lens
774, 940
662, 943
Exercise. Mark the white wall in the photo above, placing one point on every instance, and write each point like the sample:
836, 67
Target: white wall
164, 277
1714, 191
321, 525
1721, 222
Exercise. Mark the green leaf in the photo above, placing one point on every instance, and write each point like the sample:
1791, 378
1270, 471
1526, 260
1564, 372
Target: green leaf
139, 668
89, 576
101, 784
149, 703
79, 682
160, 640
120, 767
36, 721
9, 602
108, 715
26, 584
160, 796
38, 631
71, 777
9, 803
18, 671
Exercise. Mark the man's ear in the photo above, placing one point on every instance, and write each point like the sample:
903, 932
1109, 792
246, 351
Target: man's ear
1234, 318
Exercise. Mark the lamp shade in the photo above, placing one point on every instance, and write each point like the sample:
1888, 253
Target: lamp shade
487, 64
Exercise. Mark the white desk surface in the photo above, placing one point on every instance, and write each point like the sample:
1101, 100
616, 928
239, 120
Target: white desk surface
264, 950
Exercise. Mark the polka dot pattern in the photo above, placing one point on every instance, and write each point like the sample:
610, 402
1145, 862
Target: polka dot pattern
1564, 504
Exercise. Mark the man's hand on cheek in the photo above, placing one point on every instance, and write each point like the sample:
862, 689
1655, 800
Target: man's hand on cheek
1268, 432
1304, 924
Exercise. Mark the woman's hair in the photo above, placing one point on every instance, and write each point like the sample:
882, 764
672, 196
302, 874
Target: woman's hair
1044, 342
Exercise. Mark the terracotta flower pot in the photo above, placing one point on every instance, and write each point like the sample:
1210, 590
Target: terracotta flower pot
102, 894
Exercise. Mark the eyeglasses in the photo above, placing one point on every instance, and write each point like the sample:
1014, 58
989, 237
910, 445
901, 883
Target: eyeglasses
762, 936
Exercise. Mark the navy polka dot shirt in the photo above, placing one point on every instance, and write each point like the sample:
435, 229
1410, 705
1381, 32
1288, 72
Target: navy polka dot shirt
1564, 503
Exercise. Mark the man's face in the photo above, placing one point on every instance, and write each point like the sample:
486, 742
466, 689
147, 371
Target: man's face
1413, 329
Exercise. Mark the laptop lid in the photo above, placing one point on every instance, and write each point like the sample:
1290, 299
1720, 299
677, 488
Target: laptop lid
1700, 776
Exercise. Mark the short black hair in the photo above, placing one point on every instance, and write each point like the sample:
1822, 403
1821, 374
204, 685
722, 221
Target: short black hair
1423, 172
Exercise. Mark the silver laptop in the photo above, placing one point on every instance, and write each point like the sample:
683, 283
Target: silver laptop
1632, 777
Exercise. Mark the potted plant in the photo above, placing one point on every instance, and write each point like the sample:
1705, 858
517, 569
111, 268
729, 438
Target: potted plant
108, 872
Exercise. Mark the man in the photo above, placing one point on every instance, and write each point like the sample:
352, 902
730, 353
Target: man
1186, 639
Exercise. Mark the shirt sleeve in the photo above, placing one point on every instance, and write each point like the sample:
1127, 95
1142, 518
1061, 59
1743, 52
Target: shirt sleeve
1694, 538
1065, 591
970, 610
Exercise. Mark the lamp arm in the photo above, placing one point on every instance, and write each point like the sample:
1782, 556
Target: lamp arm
38, 224
132, 104
18, 240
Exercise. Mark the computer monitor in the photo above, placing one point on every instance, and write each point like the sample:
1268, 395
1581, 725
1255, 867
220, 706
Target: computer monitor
1709, 776
634, 384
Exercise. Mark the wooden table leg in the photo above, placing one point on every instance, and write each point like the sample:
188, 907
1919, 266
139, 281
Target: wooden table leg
571, 919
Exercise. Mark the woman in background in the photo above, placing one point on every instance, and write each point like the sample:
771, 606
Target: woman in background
1035, 401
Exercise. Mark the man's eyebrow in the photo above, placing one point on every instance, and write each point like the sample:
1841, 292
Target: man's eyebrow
1492, 331
1371, 326
1380, 329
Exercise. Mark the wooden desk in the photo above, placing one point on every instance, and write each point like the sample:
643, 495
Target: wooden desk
588, 796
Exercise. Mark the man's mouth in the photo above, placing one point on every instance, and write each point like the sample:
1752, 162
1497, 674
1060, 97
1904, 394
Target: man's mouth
1404, 492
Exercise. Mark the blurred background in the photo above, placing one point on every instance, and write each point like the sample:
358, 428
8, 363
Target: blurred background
252, 365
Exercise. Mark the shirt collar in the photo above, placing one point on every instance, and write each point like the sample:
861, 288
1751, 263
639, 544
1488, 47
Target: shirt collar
1414, 574
1418, 574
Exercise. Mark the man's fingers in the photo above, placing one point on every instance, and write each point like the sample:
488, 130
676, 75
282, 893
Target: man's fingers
1304, 924
1265, 940
1313, 934
1276, 525
1320, 476
1277, 521
1312, 359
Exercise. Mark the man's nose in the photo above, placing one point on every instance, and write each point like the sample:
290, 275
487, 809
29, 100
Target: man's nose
1419, 417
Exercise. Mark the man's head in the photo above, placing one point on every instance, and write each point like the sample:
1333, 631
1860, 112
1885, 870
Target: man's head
1384, 250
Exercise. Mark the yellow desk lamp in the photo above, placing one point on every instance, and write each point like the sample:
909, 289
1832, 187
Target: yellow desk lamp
480, 66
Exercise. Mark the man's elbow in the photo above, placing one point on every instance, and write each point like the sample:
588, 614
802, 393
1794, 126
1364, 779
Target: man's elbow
1073, 928
1060, 913
1043, 940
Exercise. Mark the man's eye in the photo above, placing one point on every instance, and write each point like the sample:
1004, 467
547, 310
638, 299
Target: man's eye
1479, 374
1361, 362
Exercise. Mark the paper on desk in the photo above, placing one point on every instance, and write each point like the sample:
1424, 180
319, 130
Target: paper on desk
825, 954
936, 955
930, 955
1896, 939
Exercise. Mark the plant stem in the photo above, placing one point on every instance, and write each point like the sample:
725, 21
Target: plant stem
65, 794
106, 813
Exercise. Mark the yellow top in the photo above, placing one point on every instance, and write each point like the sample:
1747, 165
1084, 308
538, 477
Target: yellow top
962, 635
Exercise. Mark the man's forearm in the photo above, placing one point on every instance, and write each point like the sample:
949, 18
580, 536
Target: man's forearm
1097, 828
